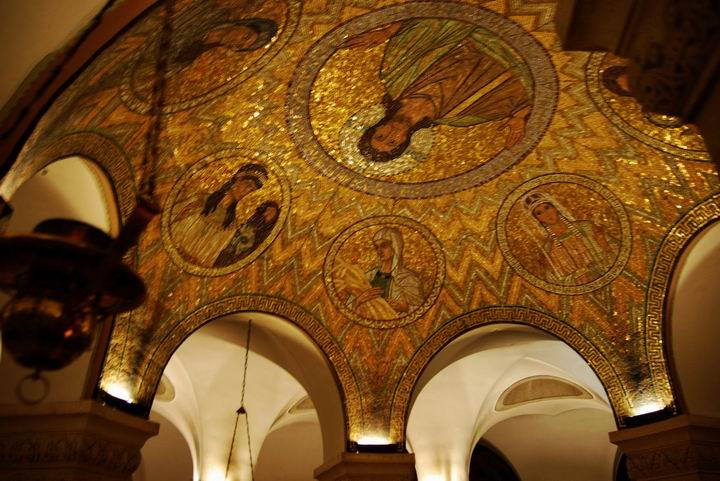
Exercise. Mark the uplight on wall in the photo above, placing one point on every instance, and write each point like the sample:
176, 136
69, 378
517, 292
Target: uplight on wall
120, 391
647, 407
119, 395
375, 444
373, 440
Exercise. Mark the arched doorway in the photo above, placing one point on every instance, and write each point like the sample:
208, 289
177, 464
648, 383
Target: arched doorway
521, 390
72, 188
294, 410
692, 327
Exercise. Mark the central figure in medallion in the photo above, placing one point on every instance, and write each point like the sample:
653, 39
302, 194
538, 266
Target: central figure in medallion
441, 71
421, 99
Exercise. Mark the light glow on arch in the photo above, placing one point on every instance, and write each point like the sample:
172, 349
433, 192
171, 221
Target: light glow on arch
647, 407
373, 440
216, 474
120, 391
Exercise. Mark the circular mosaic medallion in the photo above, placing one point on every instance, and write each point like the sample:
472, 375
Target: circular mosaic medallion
384, 271
564, 233
606, 78
214, 49
421, 99
223, 212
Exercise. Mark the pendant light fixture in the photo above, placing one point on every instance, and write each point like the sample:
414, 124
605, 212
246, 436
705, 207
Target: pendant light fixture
66, 276
242, 411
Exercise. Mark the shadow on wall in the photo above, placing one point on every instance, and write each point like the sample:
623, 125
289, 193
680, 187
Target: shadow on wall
693, 328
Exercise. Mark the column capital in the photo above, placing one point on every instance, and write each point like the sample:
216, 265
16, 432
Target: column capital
368, 467
684, 447
72, 441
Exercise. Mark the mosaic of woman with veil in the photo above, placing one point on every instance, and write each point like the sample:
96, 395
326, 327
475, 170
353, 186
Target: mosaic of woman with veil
577, 251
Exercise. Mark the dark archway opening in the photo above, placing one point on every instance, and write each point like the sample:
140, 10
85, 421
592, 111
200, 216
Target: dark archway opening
488, 465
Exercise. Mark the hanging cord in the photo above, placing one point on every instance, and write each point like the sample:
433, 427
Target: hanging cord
242, 410
146, 206
55, 72
150, 161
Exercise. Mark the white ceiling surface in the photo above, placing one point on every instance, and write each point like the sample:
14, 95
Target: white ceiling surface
456, 396
71, 188
207, 375
32, 29
169, 453
694, 328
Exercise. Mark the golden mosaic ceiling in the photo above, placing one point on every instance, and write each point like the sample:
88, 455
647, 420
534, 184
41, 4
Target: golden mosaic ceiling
387, 175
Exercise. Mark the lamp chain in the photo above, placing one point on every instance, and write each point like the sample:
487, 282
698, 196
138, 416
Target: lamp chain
242, 410
149, 164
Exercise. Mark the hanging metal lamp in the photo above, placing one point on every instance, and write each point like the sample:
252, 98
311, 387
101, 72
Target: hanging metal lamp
66, 276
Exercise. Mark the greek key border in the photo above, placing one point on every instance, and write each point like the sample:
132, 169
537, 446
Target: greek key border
162, 349
101, 150
504, 314
657, 307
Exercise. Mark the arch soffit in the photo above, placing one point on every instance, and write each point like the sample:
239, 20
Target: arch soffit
659, 294
507, 315
163, 349
102, 151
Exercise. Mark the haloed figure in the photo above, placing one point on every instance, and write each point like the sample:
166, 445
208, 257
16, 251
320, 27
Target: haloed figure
577, 251
440, 71
250, 235
244, 35
206, 223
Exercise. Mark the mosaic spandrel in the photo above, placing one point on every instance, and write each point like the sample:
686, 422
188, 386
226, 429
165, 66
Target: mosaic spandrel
467, 207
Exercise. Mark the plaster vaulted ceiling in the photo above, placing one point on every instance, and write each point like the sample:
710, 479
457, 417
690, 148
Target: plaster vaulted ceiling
29, 31
456, 406
70, 188
533, 190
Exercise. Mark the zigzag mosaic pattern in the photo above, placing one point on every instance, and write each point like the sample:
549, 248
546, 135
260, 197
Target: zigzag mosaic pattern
656, 191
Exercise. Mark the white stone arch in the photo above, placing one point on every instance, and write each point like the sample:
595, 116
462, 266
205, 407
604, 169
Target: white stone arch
454, 405
692, 324
284, 366
73, 187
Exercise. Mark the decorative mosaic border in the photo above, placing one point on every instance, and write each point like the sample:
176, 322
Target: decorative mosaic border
162, 350
537, 59
173, 252
657, 307
625, 233
386, 220
504, 314
594, 86
137, 105
101, 150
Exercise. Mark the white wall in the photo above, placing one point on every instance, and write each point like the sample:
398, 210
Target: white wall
694, 324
